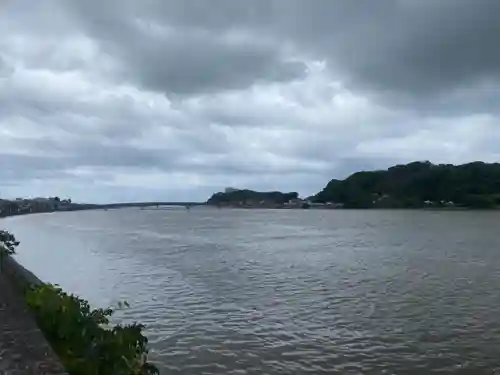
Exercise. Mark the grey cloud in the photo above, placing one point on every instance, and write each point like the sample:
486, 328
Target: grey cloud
181, 60
188, 65
217, 92
399, 49
5, 70
21, 167
416, 48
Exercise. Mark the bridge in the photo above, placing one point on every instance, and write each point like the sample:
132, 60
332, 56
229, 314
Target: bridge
147, 204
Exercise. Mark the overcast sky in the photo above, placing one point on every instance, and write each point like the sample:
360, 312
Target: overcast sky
124, 100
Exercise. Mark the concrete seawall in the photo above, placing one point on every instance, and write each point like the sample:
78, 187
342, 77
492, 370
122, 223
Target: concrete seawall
23, 347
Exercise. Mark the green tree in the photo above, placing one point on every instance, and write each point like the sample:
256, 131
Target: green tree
479, 201
246, 196
8, 246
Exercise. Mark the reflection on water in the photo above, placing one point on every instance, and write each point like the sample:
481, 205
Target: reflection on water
286, 292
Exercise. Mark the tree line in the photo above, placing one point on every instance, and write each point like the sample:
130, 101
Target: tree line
418, 184
246, 196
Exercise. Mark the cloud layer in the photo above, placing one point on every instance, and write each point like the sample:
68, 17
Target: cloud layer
139, 100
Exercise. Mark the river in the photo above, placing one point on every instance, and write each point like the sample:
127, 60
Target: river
286, 291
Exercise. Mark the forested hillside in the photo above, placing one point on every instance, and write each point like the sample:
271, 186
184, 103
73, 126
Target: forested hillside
418, 184
250, 197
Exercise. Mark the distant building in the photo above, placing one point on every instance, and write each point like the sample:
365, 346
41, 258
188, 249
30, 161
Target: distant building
230, 190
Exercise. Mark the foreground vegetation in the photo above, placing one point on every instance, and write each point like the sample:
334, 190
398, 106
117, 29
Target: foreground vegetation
418, 184
82, 337
8, 246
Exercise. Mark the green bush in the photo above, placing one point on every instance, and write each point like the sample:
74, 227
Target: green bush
83, 339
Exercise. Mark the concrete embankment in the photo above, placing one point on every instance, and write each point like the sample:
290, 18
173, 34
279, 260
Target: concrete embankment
23, 347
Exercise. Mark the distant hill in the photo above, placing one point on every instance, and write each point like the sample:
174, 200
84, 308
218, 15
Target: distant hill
247, 197
418, 184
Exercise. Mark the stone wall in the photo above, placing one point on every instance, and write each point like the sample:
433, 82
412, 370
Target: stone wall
23, 347
19, 274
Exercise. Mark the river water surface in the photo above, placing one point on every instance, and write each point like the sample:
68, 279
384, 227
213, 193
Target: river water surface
286, 292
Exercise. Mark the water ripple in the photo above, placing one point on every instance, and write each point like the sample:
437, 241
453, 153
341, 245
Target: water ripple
295, 292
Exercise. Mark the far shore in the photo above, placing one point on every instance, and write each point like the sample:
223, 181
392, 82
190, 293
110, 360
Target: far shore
233, 207
329, 208
17, 208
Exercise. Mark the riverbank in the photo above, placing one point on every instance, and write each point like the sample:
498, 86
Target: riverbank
47, 331
335, 208
23, 347
16, 210
81, 337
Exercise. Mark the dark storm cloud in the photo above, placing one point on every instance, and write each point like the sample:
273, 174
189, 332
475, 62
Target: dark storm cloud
198, 64
415, 47
181, 60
